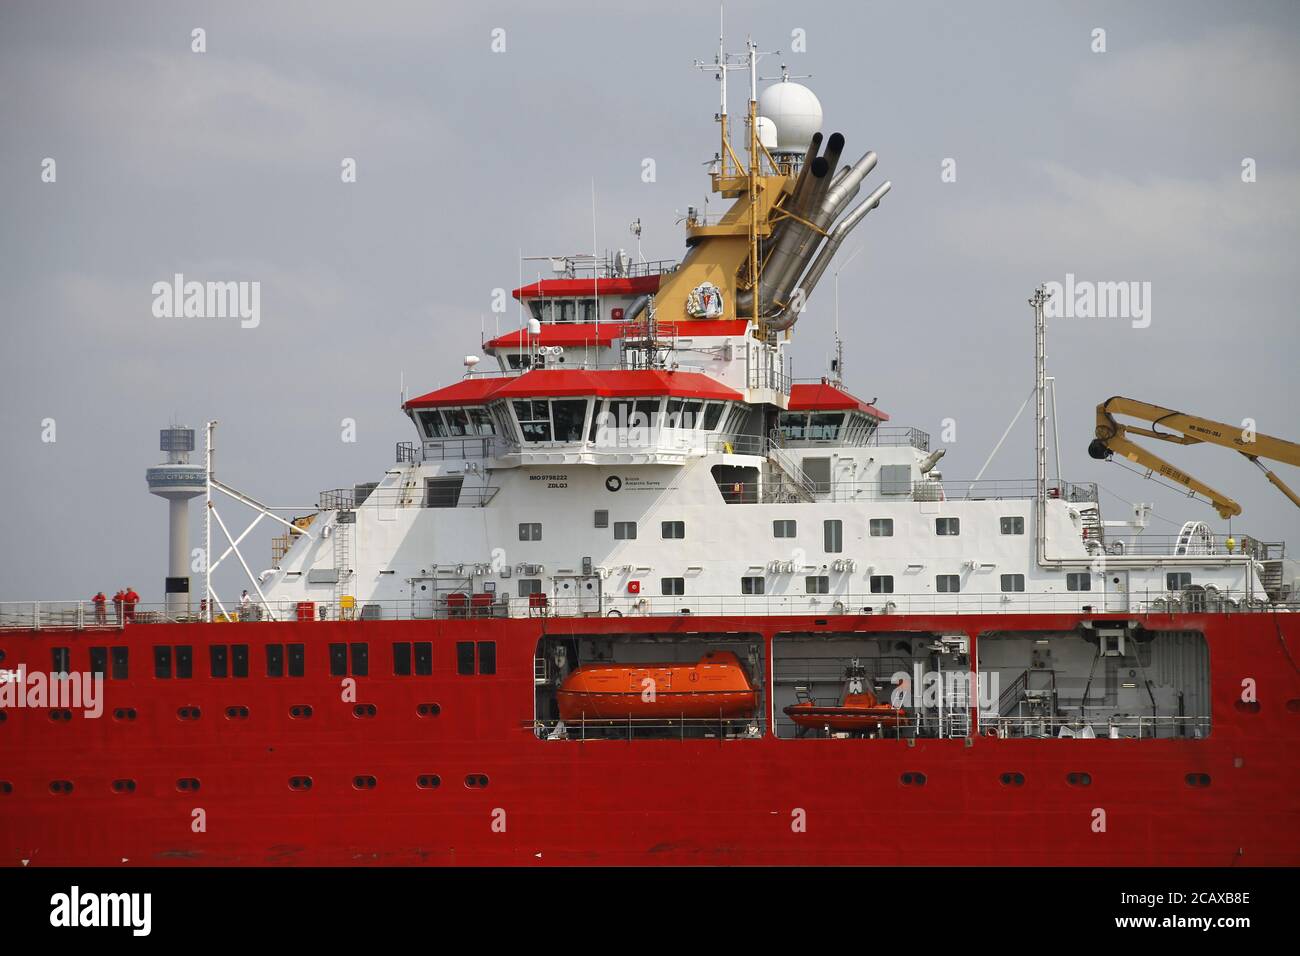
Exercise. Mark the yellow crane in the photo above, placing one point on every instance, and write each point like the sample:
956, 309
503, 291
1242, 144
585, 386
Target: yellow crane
1113, 438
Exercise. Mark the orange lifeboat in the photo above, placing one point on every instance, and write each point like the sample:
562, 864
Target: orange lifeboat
716, 686
860, 710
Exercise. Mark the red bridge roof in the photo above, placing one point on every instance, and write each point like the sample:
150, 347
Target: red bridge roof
548, 383
574, 334
635, 285
825, 397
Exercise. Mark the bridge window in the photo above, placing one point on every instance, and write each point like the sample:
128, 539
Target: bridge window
824, 426
947, 526
881, 527
947, 583
1013, 582
1081, 581
569, 417
431, 425
784, 528
1012, 525
712, 415
882, 584
751, 585
534, 420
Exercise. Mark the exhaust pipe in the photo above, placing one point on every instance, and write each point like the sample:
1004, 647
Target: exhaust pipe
790, 314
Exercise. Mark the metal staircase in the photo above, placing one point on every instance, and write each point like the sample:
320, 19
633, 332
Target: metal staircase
790, 482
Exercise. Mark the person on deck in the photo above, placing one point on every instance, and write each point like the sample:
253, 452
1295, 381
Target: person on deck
117, 606
129, 601
101, 608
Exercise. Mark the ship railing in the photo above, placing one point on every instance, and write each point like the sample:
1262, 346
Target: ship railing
986, 489
1211, 544
1101, 726
631, 728
82, 615
895, 435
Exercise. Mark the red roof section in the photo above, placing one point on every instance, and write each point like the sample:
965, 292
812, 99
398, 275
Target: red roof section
635, 285
825, 397
546, 383
573, 334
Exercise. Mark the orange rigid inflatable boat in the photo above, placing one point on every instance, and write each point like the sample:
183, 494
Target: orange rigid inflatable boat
713, 687
860, 710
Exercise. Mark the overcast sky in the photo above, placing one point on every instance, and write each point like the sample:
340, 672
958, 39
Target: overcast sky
1117, 166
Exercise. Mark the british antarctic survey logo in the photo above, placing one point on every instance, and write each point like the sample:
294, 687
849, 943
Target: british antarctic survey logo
208, 300
133, 910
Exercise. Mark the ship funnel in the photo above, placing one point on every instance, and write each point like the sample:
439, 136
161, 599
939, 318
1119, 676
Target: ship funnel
805, 288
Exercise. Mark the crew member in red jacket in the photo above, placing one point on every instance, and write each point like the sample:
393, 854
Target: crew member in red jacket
129, 601
117, 606
101, 608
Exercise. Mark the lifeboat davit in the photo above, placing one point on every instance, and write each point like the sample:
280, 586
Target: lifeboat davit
858, 712
716, 686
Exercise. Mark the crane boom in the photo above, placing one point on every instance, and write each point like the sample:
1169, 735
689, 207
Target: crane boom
1113, 437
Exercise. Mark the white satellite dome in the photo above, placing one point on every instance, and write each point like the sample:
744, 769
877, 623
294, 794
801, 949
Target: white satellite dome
796, 112
766, 132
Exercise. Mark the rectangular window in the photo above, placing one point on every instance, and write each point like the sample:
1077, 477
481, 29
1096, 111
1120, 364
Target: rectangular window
487, 657
752, 585
602, 519
784, 529
881, 527
1012, 525
529, 586
530, 531
569, 416
1081, 581
817, 584
947, 526
1013, 582
443, 492
673, 587
402, 658
239, 660
119, 663
297, 660
534, 419
833, 535
673, 529
423, 658
882, 584
624, 530
360, 660
338, 660
947, 583
62, 660
464, 657
99, 661
219, 656
274, 660
162, 662
184, 661
1178, 580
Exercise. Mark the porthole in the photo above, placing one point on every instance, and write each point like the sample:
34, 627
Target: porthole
1012, 779
428, 710
364, 782
60, 786
124, 786
476, 781
57, 715
4, 715
300, 711
428, 781
1293, 705
1079, 779
187, 784
1198, 779
2, 656
300, 783
124, 713
6, 787
189, 713
364, 710
912, 779
238, 712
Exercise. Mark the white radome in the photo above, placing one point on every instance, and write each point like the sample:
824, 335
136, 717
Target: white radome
796, 112
766, 132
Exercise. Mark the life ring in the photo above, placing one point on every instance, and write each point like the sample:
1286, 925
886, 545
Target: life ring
614, 612
991, 732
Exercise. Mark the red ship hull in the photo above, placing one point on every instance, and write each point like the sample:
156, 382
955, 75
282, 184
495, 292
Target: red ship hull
509, 797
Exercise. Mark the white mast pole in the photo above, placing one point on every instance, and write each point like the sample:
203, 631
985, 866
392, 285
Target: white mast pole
207, 524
